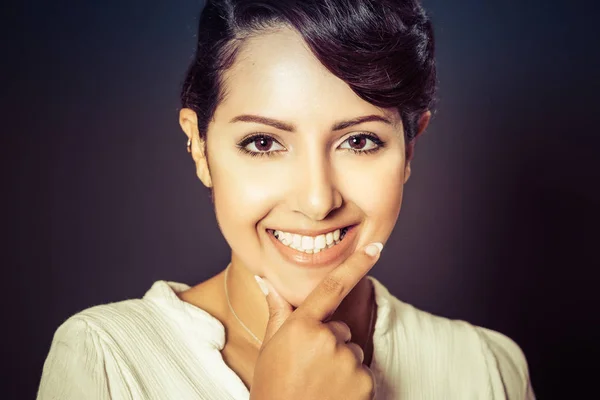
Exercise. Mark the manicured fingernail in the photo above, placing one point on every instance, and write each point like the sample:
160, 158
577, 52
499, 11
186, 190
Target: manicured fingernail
373, 249
261, 285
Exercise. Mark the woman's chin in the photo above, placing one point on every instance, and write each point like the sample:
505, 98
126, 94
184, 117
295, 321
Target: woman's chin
297, 294
295, 288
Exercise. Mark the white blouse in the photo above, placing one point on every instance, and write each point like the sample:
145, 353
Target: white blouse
160, 347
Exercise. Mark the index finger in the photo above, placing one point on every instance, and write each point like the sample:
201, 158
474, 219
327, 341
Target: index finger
322, 302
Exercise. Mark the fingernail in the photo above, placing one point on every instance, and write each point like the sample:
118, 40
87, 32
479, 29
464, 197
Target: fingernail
373, 249
261, 284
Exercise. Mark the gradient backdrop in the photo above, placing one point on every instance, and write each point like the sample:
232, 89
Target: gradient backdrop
499, 224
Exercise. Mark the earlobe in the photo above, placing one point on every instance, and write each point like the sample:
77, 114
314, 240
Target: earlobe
407, 171
203, 173
188, 121
424, 122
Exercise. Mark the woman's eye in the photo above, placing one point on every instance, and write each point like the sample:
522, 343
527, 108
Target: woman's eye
362, 143
261, 144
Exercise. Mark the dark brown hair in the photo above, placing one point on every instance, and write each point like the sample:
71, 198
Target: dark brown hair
383, 49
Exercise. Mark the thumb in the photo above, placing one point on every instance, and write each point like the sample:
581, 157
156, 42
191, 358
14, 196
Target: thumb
279, 308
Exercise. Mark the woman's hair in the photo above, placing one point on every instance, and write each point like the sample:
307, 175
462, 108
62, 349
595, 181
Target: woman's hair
383, 49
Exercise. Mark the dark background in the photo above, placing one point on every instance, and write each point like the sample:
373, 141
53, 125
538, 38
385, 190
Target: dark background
499, 224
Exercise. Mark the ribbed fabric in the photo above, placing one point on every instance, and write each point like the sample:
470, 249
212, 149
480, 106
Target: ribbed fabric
160, 347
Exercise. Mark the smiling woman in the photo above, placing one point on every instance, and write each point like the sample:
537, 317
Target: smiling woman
301, 118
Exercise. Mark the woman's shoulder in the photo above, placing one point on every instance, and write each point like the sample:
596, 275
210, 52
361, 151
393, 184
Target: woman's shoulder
510, 361
464, 346
122, 322
120, 315
424, 324
462, 336
113, 349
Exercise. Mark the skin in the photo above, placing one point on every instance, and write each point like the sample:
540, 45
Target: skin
312, 181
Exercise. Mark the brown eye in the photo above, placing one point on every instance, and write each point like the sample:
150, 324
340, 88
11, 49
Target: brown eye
357, 142
260, 144
362, 143
263, 143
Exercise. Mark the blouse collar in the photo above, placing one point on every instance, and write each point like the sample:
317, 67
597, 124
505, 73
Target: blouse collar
164, 293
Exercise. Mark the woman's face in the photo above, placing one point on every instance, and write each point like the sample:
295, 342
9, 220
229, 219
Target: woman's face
309, 167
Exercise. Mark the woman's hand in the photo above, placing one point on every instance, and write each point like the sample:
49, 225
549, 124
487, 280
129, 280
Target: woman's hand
305, 357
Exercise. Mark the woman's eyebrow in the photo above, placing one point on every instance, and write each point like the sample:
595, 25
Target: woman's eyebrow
359, 120
284, 126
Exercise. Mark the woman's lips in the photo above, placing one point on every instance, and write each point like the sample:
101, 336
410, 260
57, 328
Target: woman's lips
339, 252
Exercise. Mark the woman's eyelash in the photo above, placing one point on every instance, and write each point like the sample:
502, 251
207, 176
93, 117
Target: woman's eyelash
380, 143
255, 153
250, 139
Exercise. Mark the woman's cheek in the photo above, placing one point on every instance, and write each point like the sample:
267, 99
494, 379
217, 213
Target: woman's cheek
374, 185
242, 200
242, 186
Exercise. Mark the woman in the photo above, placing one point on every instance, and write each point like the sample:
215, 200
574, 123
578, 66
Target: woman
301, 118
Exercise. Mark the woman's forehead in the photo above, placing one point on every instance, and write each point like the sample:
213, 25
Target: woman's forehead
276, 73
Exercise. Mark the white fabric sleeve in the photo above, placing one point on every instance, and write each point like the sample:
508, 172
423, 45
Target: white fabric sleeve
76, 366
512, 365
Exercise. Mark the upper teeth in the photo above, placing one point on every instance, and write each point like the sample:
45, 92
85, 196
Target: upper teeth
309, 244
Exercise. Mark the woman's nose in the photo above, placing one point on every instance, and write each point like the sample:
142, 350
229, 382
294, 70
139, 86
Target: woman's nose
317, 194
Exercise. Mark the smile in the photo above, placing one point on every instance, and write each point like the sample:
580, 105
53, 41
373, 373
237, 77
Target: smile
310, 244
313, 251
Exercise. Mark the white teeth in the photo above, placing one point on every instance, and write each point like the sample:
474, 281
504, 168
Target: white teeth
329, 238
309, 244
320, 242
336, 235
297, 241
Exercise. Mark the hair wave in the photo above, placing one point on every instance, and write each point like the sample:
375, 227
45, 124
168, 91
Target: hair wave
383, 49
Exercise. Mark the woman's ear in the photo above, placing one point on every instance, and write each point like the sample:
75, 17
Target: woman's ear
188, 120
410, 147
